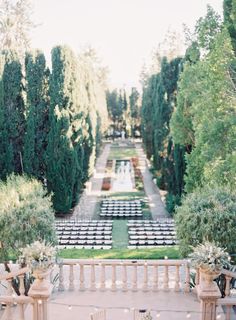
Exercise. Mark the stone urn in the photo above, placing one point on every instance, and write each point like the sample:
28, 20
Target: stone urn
207, 278
41, 274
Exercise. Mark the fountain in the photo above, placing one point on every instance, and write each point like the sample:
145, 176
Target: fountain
123, 180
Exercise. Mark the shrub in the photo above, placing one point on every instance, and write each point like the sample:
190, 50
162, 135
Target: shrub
171, 202
26, 214
207, 214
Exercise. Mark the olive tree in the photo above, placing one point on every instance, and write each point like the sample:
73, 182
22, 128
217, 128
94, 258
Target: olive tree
208, 213
26, 214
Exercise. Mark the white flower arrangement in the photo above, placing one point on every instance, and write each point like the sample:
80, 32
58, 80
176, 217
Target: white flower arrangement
144, 315
38, 255
209, 257
147, 316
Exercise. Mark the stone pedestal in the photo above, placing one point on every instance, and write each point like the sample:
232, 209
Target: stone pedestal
208, 293
40, 292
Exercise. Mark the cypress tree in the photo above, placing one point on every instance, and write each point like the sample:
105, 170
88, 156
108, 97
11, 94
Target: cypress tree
158, 103
63, 158
37, 77
230, 20
12, 115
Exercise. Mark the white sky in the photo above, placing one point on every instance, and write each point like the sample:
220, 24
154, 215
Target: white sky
122, 31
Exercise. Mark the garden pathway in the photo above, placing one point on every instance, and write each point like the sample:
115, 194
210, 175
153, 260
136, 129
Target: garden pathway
157, 206
89, 199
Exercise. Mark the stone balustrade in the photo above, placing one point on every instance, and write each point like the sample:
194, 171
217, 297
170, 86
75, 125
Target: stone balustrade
116, 275
229, 300
212, 305
150, 275
16, 303
11, 298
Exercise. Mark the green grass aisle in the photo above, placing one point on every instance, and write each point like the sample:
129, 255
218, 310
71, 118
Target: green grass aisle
120, 234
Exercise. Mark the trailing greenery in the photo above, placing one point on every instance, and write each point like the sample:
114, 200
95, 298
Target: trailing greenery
26, 214
208, 213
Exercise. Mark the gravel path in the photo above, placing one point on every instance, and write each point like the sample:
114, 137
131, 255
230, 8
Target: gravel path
89, 199
156, 205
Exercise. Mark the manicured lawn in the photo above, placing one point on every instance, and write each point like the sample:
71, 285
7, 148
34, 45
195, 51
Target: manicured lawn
157, 253
128, 195
120, 234
119, 153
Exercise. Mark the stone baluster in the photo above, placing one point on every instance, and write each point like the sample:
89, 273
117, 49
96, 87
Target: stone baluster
81, 277
145, 277
155, 278
71, 278
228, 312
187, 279
21, 311
61, 286
22, 292
124, 278
22, 285
103, 283
92, 278
197, 277
8, 311
177, 279
9, 287
134, 285
40, 292
113, 278
166, 278
227, 287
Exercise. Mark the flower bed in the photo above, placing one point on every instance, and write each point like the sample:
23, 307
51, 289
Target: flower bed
106, 184
109, 165
137, 174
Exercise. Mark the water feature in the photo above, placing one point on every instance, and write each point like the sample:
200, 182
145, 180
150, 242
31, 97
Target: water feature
123, 180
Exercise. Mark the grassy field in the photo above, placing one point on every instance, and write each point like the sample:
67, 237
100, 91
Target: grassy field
118, 153
157, 253
120, 234
128, 195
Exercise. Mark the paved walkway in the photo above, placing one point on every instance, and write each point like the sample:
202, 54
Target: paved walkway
89, 199
156, 205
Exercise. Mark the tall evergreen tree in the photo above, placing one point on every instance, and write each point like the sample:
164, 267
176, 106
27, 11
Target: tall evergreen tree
159, 100
63, 158
134, 110
230, 20
37, 78
13, 115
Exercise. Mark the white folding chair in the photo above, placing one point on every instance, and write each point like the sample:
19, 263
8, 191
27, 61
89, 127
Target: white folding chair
98, 315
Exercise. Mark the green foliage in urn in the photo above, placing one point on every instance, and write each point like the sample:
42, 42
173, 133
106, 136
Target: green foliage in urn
38, 254
207, 213
209, 257
26, 214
